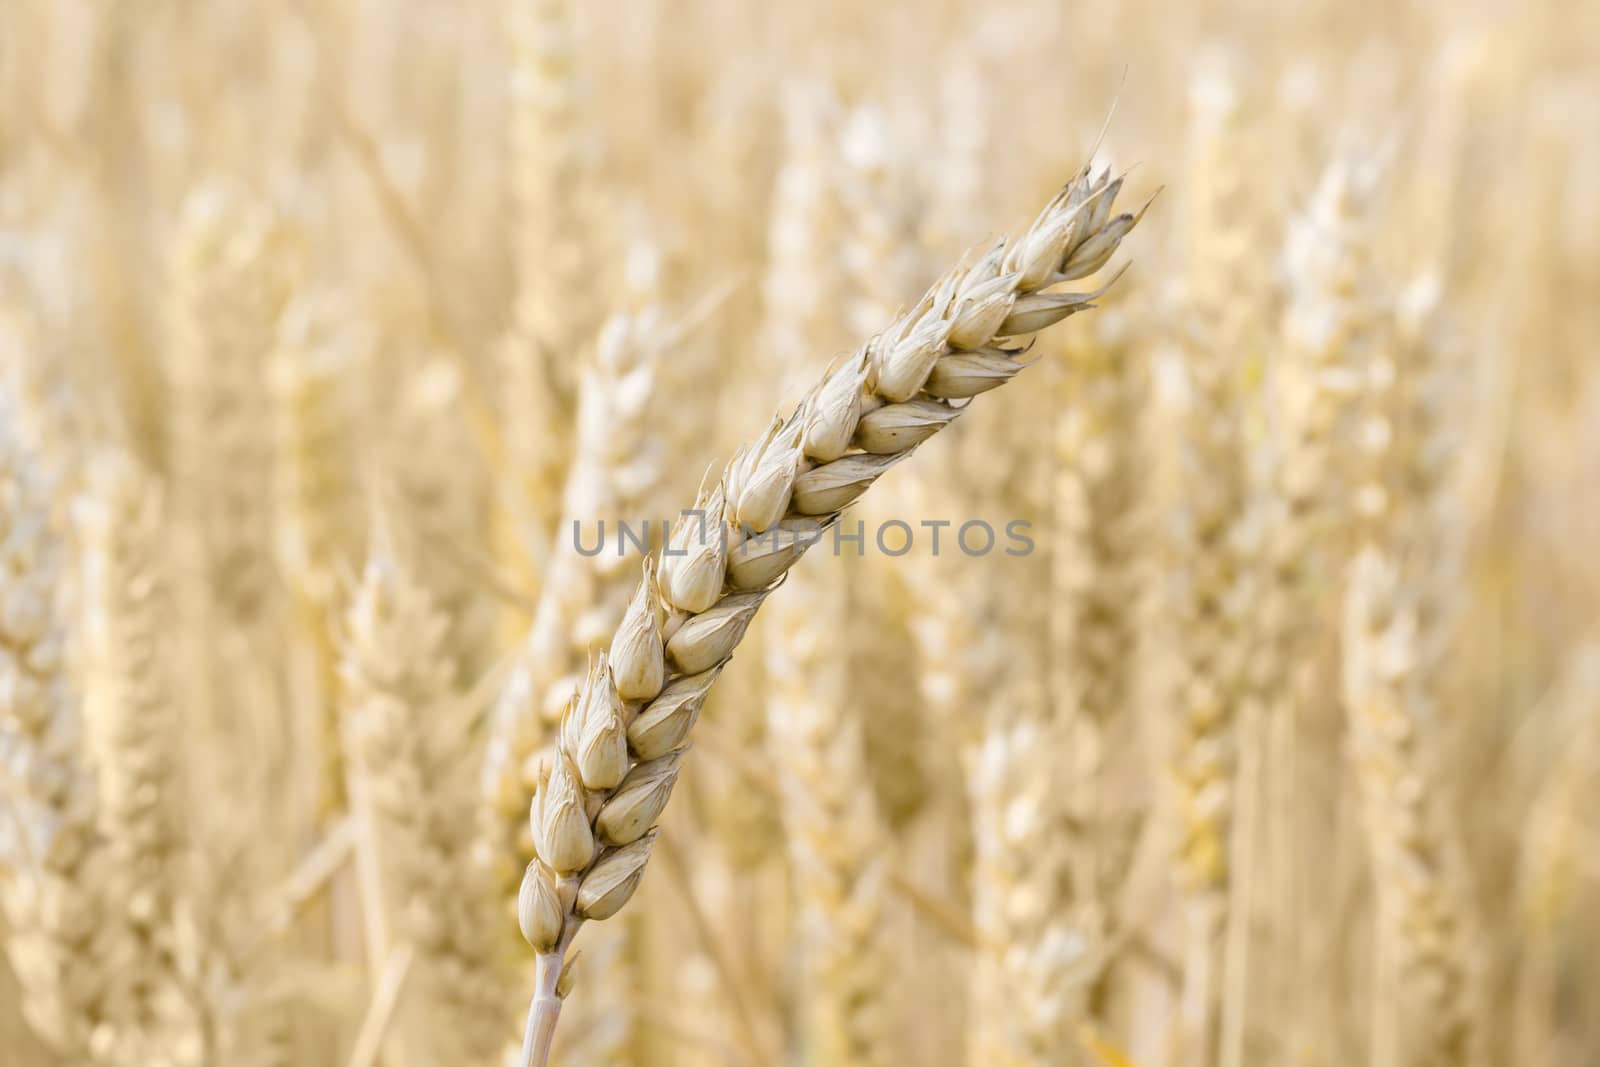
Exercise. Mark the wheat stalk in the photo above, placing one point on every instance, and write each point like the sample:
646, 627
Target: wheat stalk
617, 754
1551, 865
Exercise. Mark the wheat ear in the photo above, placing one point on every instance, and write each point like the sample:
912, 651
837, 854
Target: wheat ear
229, 286
51, 857
877, 278
321, 523
1397, 628
1096, 600
801, 295
1207, 560
1328, 319
554, 248
617, 754
882, 654
130, 696
1420, 900
412, 786
837, 835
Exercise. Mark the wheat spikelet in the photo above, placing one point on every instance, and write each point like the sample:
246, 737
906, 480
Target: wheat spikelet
60, 936
837, 836
618, 748
130, 697
410, 779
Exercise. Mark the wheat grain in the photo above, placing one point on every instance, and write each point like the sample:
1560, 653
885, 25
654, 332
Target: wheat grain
711, 581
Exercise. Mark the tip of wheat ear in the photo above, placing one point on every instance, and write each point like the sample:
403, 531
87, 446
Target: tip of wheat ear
867, 413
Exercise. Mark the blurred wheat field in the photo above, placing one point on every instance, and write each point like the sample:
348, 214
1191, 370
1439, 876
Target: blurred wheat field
1225, 693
